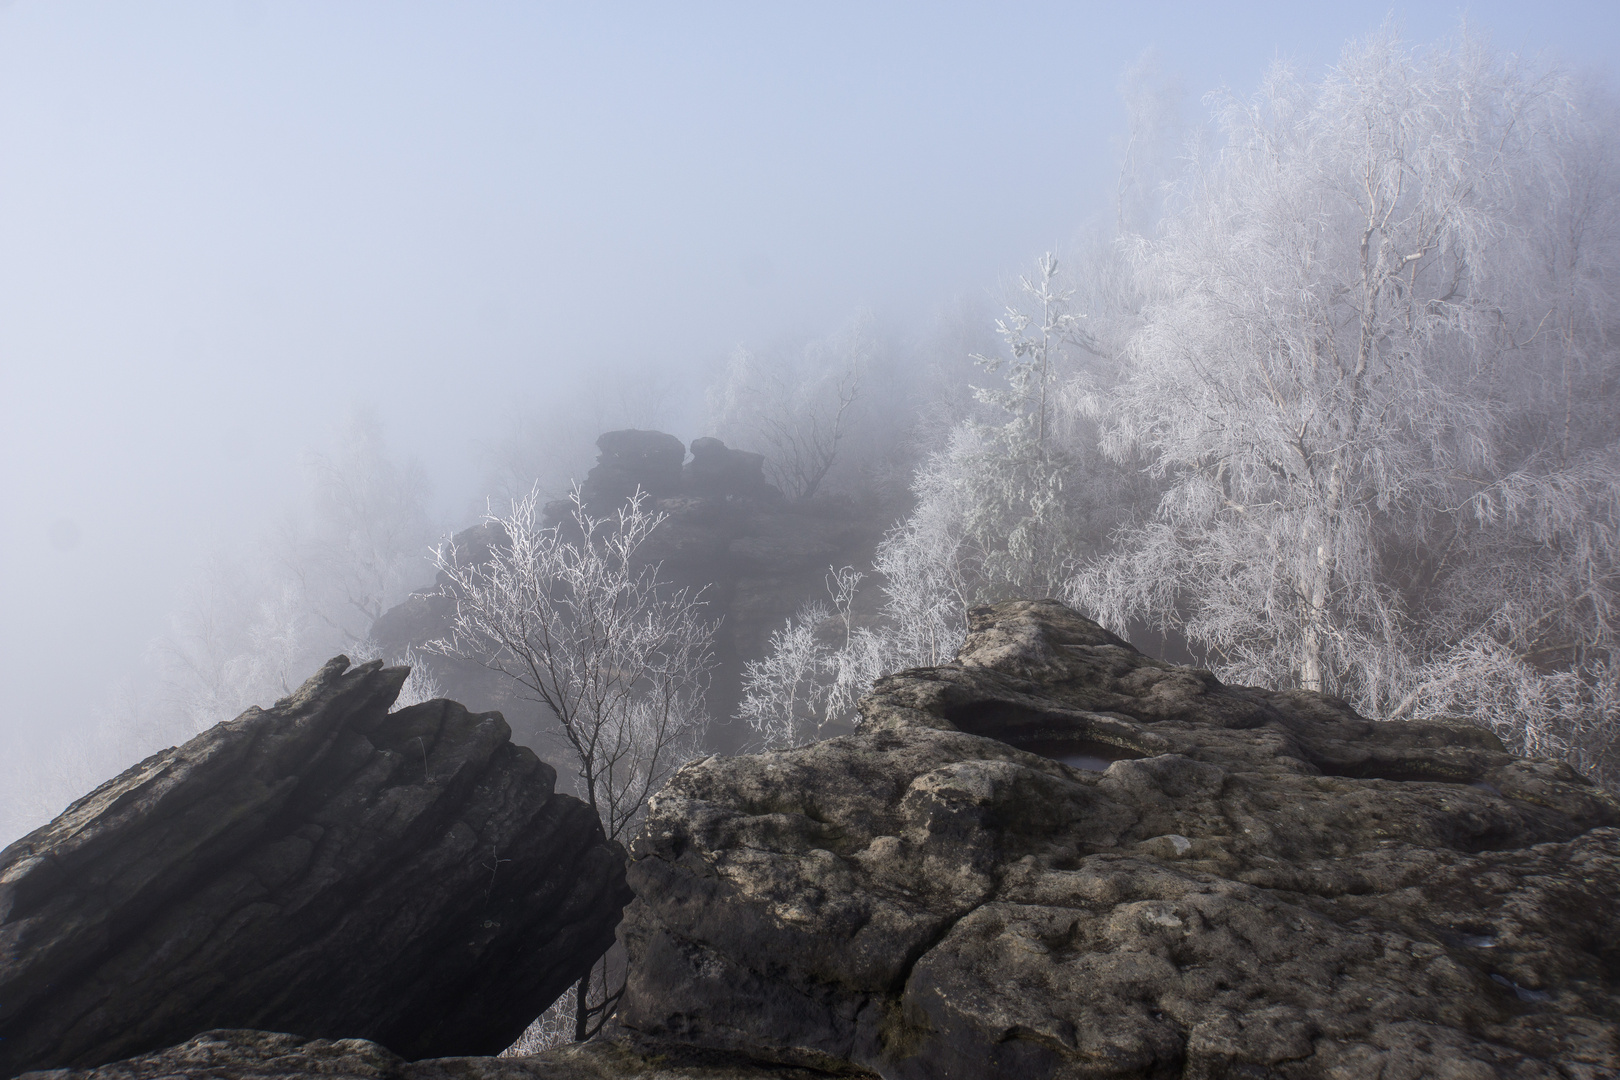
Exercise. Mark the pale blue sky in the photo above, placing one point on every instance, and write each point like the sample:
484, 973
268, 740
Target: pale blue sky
224, 224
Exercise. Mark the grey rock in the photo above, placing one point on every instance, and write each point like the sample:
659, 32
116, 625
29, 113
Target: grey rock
323, 867
631, 459
717, 471
1242, 884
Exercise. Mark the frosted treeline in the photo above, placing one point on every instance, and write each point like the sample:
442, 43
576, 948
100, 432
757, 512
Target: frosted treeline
1343, 417
1334, 404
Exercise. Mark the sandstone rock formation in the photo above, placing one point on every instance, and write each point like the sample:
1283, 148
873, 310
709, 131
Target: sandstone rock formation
729, 532
323, 867
717, 471
1058, 857
631, 459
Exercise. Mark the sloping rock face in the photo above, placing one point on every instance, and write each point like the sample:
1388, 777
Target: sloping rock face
1220, 882
324, 867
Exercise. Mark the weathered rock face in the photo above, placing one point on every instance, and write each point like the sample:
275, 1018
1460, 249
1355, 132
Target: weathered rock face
717, 471
1225, 882
324, 867
631, 459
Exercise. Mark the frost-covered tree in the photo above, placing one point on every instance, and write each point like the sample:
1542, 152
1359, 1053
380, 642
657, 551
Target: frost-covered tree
784, 692
1374, 374
582, 627
1008, 474
362, 544
1156, 136
818, 666
1008, 505
1018, 495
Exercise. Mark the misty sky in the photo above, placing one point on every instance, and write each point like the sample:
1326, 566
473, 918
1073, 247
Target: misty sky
224, 225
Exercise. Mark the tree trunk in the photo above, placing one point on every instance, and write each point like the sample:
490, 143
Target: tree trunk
1310, 667
582, 998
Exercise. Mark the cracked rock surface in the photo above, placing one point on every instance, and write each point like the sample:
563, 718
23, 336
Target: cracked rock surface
1220, 882
323, 867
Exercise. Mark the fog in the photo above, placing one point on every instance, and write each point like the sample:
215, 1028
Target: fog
226, 228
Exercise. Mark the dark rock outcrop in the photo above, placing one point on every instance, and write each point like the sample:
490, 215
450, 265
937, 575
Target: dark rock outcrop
323, 867
717, 471
631, 459
1216, 882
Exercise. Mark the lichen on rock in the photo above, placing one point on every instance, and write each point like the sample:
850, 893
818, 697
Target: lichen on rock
1257, 883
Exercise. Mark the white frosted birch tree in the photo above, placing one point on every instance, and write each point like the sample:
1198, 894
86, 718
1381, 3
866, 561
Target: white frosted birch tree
582, 627
1374, 372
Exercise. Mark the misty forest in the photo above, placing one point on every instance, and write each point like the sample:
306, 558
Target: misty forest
1323, 401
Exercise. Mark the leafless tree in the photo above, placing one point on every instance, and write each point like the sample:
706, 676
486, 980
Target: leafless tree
796, 408
583, 629
361, 546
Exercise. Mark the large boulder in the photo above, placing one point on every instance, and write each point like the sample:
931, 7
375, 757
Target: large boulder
1059, 857
323, 867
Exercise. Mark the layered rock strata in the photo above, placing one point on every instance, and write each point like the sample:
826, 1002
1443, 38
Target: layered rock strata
323, 867
1058, 857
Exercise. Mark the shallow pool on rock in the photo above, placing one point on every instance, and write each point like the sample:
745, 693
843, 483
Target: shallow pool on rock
1085, 754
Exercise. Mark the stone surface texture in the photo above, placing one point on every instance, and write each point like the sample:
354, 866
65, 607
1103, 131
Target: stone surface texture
323, 867
1245, 884
1057, 857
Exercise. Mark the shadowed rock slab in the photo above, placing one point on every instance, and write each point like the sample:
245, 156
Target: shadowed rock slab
1059, 857
323, 867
